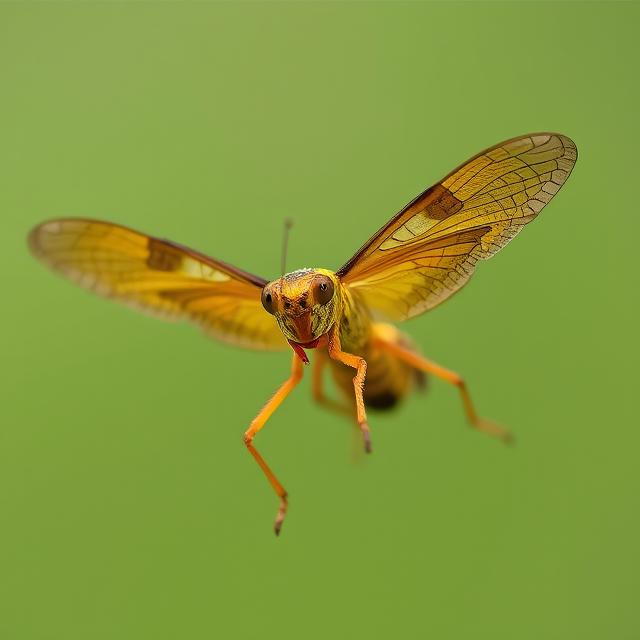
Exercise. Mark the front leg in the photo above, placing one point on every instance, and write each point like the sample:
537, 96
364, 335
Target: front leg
258, 423
317, 388
360, 365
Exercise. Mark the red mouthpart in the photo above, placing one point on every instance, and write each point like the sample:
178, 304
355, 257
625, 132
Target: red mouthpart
299, 348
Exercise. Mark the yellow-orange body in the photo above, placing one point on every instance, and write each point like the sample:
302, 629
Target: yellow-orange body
388, 378
303, 320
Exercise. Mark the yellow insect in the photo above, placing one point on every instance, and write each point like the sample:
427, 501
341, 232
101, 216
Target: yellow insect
425, 254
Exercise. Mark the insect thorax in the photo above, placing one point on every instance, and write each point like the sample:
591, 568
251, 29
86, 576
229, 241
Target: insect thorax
355, 321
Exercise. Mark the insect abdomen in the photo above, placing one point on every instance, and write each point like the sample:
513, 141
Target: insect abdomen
388, 379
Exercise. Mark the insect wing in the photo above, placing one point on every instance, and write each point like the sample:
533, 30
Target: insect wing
429, 250
159, 277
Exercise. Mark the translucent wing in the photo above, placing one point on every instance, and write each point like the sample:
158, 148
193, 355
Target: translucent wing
160, 277
429, 250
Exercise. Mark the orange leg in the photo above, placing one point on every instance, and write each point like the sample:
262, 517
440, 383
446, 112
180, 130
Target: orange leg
422, 364
317, 389
360, 365
257, 424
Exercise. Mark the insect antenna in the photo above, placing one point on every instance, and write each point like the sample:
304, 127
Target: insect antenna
288, 223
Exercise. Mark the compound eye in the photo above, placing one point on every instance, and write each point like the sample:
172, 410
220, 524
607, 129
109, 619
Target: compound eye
324, 290
268, 302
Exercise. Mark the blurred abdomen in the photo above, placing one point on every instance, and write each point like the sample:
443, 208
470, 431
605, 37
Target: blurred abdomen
388, 379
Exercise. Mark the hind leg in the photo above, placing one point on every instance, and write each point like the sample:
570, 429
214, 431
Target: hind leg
423, 364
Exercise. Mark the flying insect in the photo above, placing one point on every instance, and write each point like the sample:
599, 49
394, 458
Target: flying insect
420, 258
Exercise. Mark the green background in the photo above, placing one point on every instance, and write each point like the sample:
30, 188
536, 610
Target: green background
129, 507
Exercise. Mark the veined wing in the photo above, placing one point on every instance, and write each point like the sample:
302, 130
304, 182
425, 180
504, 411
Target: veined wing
160, 277
429, 250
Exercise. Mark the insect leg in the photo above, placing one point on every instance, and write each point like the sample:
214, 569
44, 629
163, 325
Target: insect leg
317, 388
258, 422
360, 365
423, 364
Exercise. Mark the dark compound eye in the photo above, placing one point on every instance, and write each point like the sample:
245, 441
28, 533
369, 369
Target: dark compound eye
324, 290
267, 301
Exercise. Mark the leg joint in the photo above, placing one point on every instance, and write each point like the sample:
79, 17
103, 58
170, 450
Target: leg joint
458, 381
361, 368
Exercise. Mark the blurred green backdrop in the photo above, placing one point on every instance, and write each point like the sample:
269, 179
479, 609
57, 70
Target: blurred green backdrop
130, 508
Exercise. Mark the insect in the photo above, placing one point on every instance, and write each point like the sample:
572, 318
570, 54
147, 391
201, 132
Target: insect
426, 253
